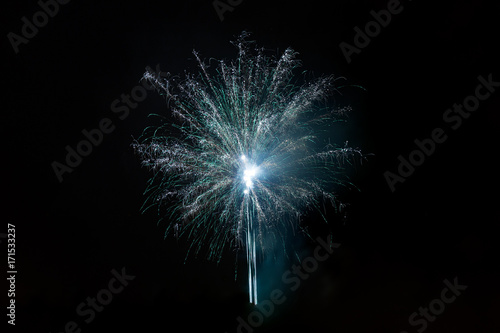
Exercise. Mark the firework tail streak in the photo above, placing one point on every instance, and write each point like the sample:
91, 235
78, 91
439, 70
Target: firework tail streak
292, 277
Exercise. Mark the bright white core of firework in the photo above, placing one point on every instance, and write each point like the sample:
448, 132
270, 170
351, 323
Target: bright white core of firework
249, 174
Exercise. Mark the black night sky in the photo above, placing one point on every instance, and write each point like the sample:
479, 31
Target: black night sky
397, 248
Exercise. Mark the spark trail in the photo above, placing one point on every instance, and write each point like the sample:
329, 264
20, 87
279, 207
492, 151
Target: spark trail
245, 159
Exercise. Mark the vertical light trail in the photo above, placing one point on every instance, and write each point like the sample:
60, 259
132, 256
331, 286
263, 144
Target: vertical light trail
251, 252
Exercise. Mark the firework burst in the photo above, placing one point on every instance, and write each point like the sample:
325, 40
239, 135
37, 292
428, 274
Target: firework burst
244, 161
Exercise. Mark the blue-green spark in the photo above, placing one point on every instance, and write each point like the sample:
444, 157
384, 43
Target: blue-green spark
244, 160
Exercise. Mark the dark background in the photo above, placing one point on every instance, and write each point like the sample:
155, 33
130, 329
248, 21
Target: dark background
397, 248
